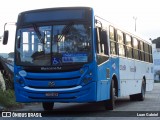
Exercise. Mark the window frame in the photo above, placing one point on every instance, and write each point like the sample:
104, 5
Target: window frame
113, 51
129, 53
121, 43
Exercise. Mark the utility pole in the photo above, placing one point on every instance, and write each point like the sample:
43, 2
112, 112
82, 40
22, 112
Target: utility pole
135, 21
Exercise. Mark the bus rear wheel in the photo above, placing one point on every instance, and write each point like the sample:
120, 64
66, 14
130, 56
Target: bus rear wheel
140, 96
110, 104
47, 106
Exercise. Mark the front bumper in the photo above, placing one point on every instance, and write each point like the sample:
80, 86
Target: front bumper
79, 93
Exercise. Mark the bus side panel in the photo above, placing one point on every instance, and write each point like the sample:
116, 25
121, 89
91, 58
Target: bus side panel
131, 76
144, 69
128, 84
105, 73
149, 85
149, 77
103, 84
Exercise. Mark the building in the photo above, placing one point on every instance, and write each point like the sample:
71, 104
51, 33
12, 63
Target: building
156, 58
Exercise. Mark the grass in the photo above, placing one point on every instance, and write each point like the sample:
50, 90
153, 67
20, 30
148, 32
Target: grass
7, 99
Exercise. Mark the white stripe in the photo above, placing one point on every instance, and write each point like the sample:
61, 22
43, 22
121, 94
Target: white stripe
52, 90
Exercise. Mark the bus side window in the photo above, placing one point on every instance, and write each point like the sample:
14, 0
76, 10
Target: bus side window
141, 51
113, 43
121, 45
102, 47
102, 43
129, 46
151, 59
135, 50
98, 40
146, 50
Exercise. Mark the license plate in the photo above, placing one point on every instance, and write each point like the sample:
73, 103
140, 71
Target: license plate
54, 94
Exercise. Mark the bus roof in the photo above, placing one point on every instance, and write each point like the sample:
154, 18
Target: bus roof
132, 33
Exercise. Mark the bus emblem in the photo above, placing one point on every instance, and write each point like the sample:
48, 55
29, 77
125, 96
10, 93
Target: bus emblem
51, 84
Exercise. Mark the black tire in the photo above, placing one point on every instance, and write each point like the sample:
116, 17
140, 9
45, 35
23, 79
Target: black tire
133, 97
140, 96
48, 106
110, 104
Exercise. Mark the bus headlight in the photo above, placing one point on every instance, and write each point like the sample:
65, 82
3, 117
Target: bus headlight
87, 79
86, 75
81, 71
22, 73
90, 73
19, 80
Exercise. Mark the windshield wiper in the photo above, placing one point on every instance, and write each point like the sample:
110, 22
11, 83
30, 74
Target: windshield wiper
65, 30
40, 37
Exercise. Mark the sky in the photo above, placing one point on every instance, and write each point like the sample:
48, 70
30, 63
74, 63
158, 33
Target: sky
119, 12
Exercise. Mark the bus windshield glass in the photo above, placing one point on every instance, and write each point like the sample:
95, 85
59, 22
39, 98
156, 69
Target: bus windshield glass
54, 45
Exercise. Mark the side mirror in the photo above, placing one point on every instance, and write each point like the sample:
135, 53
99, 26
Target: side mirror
5, 37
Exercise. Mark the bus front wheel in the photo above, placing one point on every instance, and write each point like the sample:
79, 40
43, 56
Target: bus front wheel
110, 104
47, 106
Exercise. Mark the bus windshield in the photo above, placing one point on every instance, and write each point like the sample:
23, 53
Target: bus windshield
54, 45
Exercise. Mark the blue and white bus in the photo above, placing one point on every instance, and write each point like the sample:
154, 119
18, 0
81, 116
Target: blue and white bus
69, 54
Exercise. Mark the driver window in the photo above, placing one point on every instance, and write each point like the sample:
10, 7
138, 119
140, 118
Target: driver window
102, 45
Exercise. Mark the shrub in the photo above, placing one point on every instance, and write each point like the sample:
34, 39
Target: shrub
7, 99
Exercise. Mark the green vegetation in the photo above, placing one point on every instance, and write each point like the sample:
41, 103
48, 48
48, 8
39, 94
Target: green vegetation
7, 99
